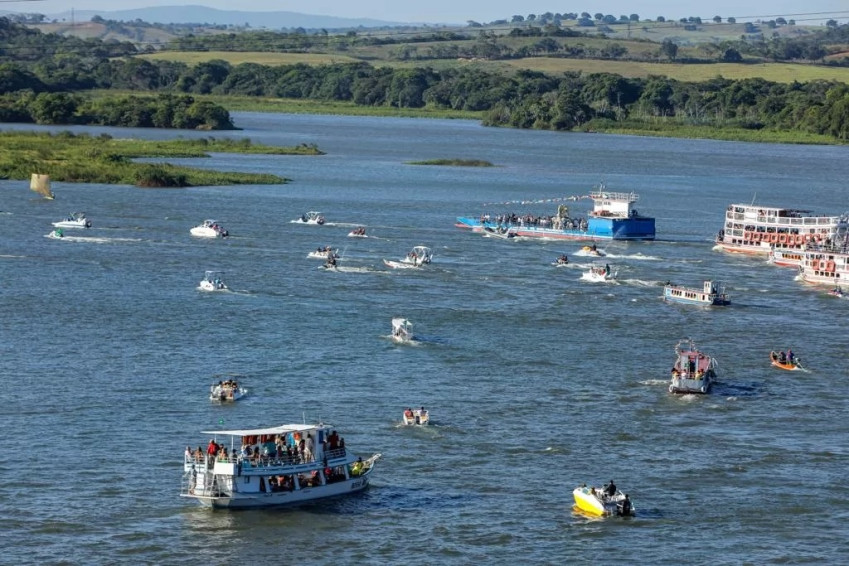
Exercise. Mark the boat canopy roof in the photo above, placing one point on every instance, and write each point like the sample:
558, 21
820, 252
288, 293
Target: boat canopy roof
282, 429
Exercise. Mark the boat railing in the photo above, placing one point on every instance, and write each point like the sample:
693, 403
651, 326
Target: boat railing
627, 197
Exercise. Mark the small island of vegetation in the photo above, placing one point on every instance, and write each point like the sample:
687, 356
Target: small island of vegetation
454, 162
88, 159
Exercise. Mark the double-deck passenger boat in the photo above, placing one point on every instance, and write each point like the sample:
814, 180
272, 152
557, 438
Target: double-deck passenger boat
282, 465
826, 265
613, 217
712, 293
758, 229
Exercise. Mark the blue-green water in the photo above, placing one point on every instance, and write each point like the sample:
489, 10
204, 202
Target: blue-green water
536, 381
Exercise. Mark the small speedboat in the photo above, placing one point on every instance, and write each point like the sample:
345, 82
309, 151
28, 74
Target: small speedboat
74, 220
837, 292
603, 502
693, 370
786, 361
562, 259
402, 330
56, 234
323, 252
212, 281
358, 233
226, 391
499, 232
209, 229
419, 417
417, 257
599, 274
312, 218
592, 251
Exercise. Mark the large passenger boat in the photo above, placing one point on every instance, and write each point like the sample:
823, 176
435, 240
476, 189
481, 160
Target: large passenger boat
711, 294
758, 229
282, 465
613, 218
826, 265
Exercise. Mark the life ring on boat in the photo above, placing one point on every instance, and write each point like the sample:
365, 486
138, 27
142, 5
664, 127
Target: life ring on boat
773, 238
830, 266
756, 236
817, 237
747, 236
782, 239
800, 239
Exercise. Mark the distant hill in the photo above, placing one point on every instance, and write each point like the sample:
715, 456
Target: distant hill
204, 15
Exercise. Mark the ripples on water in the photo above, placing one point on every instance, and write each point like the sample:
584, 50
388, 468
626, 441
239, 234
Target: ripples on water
537, 381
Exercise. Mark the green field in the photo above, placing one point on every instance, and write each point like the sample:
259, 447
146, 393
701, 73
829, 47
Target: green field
776, 72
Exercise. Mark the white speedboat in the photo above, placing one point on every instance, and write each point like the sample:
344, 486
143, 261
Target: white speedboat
209, 229
212, 281
402, 330
358, 233
417, 257
323, 252
562, 259
226, 391
74, 220
599, 274
418, 417
312, 218
603, 502
56, 234
693, 370
266, 467
498, 232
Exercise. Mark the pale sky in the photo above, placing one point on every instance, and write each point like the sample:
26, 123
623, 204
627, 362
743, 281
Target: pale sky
459, 11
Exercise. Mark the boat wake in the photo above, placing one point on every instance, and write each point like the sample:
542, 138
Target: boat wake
347, 269
639, 257
642, 283
94, 240
655, 382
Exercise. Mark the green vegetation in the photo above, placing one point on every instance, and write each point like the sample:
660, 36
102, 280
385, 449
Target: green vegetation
102, 159
453, 162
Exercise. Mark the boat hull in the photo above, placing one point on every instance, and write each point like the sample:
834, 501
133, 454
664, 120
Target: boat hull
635, 228
592, 505
684, 386
73, 224
285, 498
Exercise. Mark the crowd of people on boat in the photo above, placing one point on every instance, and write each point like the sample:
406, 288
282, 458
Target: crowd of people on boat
784, 357
563, 259
555, 222
278, 450
361, 231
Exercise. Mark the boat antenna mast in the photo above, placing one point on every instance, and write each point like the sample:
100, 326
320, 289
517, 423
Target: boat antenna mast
754, 198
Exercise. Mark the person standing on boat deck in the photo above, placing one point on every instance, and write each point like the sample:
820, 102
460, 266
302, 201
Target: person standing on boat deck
310, 448
790, 356
610, 491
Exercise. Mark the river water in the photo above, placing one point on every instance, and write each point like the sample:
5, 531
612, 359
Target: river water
536, 380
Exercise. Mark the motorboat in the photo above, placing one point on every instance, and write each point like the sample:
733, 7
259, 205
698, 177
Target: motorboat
562, 259
331, 262
787, 361
402, 330
693, 370
226, 391
418, 417
591, 251
41, 185
836, 292
312, 218
603, 502
499, 232
56, 234
712, 293
600, 274
417, 257
74, 220
281, 465
323, 252
358, 233
209, 229
212, 281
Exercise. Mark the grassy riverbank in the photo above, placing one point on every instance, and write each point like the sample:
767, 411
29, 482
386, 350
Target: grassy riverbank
86, 159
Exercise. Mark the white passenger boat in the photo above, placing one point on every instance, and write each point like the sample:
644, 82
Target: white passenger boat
402, 330
419, 417
758, 229
212, 281
41, 185
712, 293
786, 258
693, 370
603, 502
323, 252
311, 218
74, 220
358, 233
599, 274
209, 229
418, 257
226, 391
265, 467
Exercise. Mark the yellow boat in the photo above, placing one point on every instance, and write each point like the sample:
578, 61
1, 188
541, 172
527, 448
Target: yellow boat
594, 501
